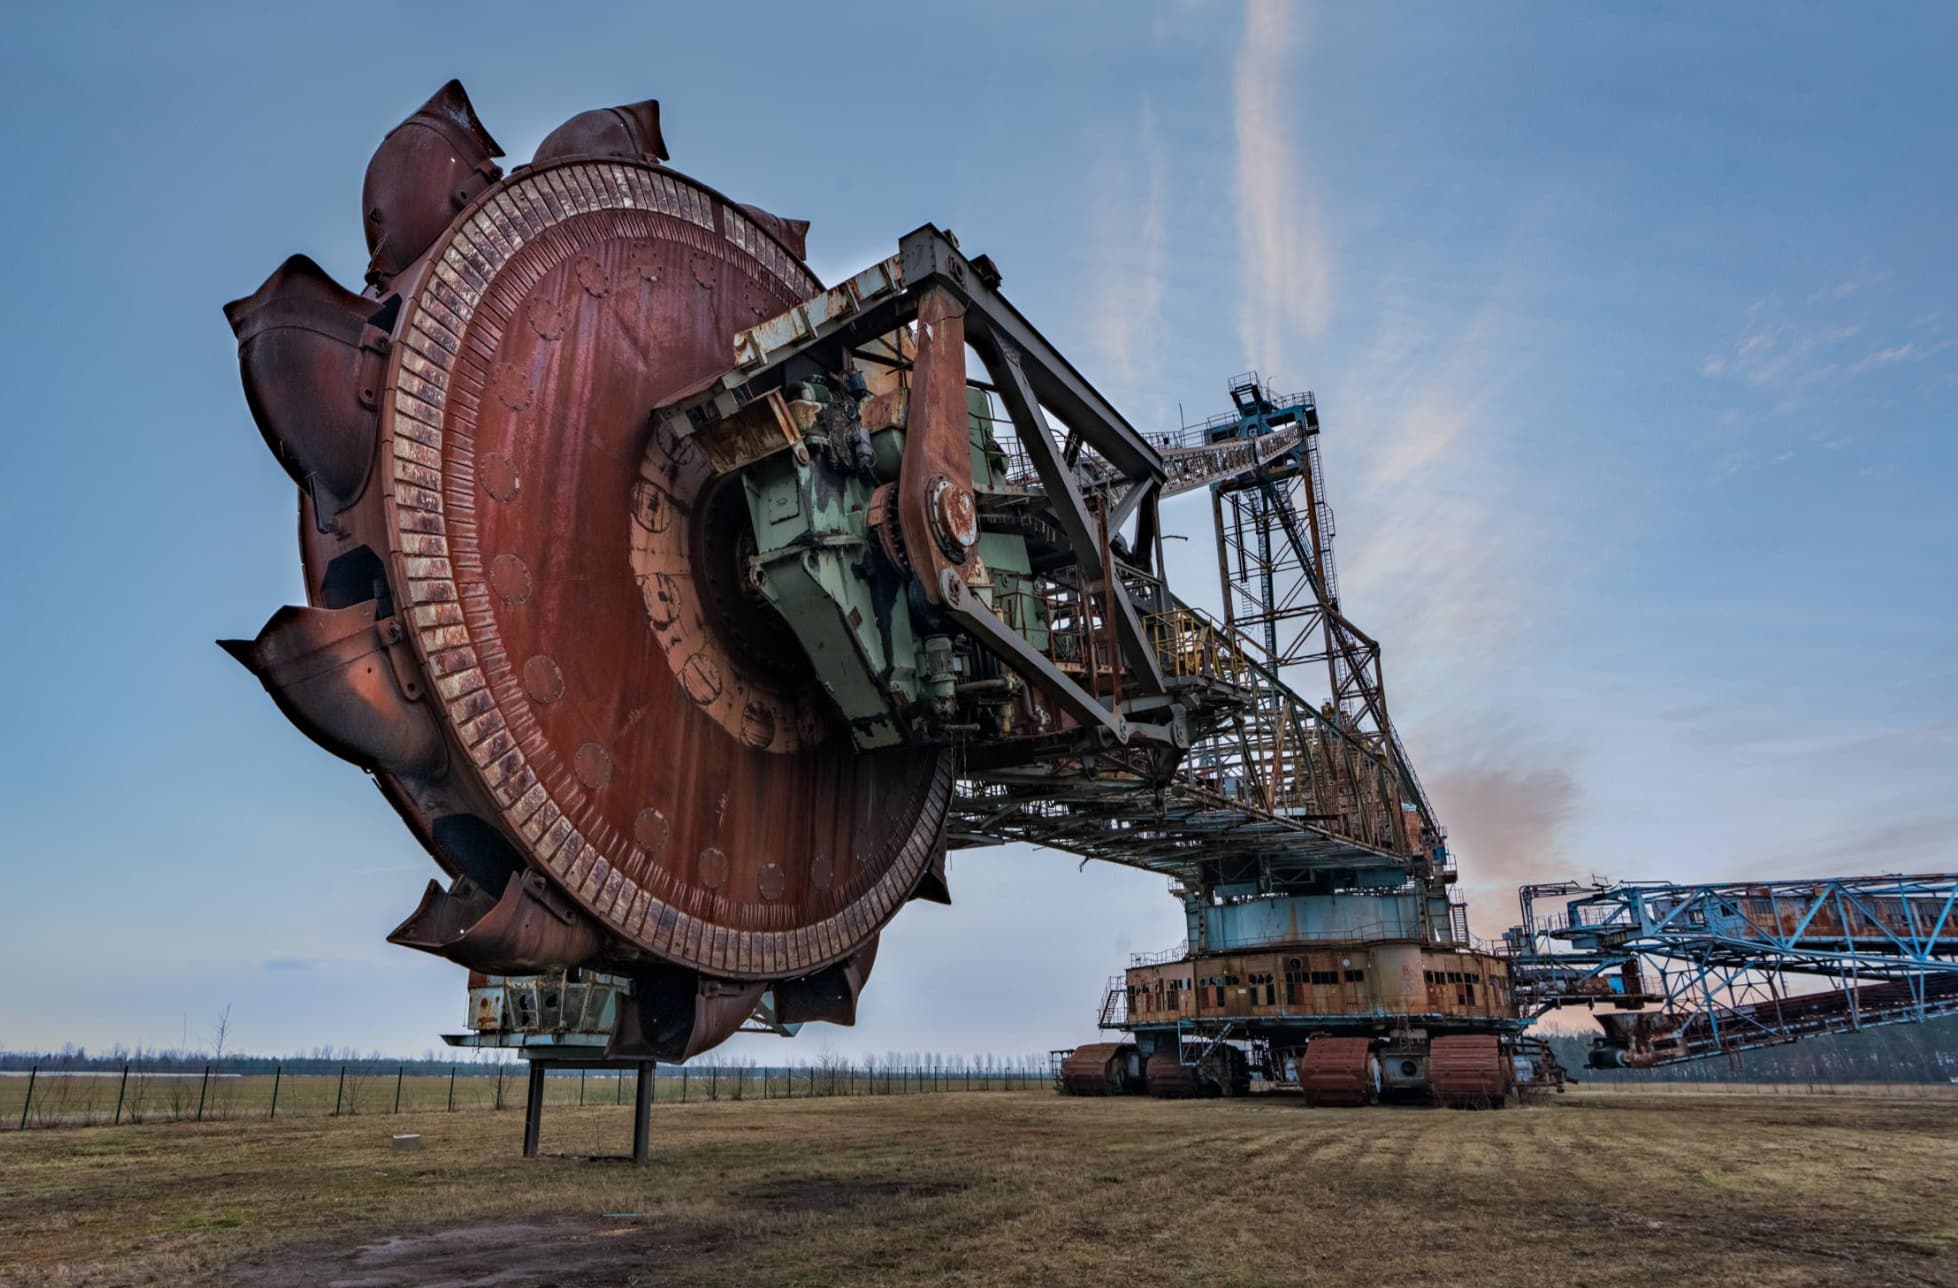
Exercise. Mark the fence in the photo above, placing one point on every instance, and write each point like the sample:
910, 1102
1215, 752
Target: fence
55, 1097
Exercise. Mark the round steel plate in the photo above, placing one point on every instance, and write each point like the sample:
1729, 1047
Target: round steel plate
574, 586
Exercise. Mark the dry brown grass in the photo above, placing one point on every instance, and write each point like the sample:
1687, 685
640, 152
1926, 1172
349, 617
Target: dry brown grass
1594, 1188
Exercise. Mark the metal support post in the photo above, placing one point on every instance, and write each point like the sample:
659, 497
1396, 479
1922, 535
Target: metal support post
642, 1113
533, 1109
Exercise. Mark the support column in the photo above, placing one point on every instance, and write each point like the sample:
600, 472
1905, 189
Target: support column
533, 1110
642, 1114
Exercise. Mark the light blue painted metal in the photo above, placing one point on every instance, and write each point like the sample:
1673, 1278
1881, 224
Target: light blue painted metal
1691, 971
1884, 922
1302, 919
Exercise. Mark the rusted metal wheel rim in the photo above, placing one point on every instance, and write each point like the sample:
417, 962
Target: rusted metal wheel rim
693, 802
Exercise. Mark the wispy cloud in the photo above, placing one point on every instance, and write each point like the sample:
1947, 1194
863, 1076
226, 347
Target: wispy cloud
1792, 351
1284, 256
1782, 351
1918, 843
1456, 565
1907, 352
1450, 395
1799, 356
1447, 564
1131, 260
1848, 286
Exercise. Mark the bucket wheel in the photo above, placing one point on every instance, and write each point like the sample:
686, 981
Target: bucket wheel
527, 612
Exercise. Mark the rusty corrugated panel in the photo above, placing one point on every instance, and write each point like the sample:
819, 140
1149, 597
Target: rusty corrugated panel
1339, 1071
1096, 1069
1167, 1077
1469, 1071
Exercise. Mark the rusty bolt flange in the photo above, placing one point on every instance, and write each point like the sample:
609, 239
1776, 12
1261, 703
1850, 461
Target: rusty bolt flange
954, 517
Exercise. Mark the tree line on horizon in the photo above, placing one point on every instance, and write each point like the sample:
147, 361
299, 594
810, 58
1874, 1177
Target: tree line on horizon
326, 1058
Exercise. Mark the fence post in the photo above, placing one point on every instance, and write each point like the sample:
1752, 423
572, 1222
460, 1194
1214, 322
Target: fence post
32, 1074
399, 1069
278, 1074
683, 1084
499, 1086
120, 1088
203, 1089
339, 1091
618, 1089
452, 1088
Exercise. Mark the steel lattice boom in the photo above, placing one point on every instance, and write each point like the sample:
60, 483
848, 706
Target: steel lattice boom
1693, 971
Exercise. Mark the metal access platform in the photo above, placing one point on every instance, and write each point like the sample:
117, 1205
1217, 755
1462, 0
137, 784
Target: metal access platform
569, 1020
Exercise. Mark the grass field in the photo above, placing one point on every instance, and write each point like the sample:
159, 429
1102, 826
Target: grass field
1595, 1188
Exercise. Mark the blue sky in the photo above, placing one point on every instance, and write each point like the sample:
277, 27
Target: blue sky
1633, 328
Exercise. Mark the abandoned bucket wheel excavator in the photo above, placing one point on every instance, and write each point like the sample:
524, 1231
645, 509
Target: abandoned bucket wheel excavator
687, 611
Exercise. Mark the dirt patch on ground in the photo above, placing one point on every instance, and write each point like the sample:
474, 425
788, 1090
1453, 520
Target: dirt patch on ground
825, 1195
500, 1254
